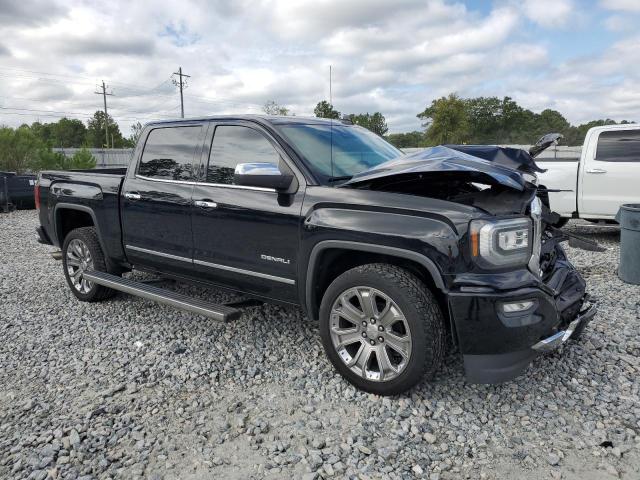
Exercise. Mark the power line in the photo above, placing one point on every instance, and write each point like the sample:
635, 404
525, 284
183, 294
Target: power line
142, 92
106, 116
59, 114
181, 83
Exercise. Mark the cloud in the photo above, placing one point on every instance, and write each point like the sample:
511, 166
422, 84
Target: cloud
179, 34
549, 13
41, 90
621, 5
110, 45
392, 57
29, 12
311, 18
620, 23
599, 86
4, 51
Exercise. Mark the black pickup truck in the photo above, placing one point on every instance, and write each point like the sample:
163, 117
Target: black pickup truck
397, 256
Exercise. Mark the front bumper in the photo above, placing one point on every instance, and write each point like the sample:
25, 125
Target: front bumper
502, 367
554, 341
497, 345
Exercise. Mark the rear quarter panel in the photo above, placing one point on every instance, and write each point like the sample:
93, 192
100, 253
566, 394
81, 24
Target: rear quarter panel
95, 193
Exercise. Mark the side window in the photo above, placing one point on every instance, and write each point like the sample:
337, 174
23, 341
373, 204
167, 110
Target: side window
168, 153
619, 146
233, 145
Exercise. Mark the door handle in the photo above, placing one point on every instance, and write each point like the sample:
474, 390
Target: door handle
132, 196
205, 204
596, 170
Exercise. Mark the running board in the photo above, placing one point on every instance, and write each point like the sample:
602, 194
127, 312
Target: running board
160, 295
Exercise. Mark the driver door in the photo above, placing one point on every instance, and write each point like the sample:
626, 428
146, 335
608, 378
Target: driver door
245, 237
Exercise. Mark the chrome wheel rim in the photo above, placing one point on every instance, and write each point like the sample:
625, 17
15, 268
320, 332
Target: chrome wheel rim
78, 260
370, 334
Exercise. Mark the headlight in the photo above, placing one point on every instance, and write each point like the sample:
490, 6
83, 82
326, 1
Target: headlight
501, 243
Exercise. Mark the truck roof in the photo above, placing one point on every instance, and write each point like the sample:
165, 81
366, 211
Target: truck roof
271, 119
617, 126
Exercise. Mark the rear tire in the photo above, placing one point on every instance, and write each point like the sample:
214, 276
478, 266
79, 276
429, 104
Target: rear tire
81, 251
393, 339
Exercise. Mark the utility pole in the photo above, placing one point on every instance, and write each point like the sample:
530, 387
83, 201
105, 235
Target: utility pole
330, 93
106, 116
182, 84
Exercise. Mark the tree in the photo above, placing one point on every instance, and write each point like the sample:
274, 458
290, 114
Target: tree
21, 150
375, 122
484, 119
325, 110
96, 133
136, 131
65, 133
83, 159
69, 133
407, 140
273, 108
551, 121
446, 120
50, 160
44, 131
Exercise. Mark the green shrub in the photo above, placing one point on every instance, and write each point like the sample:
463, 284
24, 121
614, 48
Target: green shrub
82, 159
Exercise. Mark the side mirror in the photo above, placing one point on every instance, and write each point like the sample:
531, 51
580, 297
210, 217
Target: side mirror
264, 175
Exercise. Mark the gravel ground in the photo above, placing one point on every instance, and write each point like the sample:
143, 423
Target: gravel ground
128, 388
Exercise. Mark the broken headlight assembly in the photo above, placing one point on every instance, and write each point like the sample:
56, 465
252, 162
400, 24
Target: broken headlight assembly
497, 244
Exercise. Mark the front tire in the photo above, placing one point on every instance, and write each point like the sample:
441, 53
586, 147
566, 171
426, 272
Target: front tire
81, 252
382, 328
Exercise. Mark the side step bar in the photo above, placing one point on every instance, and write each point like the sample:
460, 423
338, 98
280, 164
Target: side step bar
217, 312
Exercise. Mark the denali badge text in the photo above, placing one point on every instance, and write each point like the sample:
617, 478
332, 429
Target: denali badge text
286, 261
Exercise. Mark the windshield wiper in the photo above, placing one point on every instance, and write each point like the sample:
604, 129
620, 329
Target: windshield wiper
339, 179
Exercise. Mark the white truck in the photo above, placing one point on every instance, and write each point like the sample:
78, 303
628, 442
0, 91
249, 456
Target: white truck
605, 176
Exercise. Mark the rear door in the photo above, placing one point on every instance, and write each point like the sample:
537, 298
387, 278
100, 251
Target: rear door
247, 237
610, 176
156, 199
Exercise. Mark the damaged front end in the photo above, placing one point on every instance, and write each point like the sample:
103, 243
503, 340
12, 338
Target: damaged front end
514, 293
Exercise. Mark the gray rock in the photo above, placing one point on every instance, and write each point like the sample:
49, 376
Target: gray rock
74, 438
365, 450
243, 390
429, 438
38, 475
553, 459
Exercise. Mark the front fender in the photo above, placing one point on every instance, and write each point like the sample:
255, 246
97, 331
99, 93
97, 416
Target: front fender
425, 236
428, 242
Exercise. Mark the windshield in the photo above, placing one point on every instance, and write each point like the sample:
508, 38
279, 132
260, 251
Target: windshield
354, 149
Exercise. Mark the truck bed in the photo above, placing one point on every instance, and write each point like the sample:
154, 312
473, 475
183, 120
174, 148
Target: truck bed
96, 192
103, 171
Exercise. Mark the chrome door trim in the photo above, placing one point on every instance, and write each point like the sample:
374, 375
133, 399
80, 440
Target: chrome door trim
159, 254
205, 204
246, 272
213, 265
204, 184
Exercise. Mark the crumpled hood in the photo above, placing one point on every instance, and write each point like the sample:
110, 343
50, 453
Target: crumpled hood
498, 170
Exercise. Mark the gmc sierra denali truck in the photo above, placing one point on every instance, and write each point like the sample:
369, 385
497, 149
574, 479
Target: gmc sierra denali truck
395, 255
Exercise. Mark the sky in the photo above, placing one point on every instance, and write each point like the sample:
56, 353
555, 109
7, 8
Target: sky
581, 58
